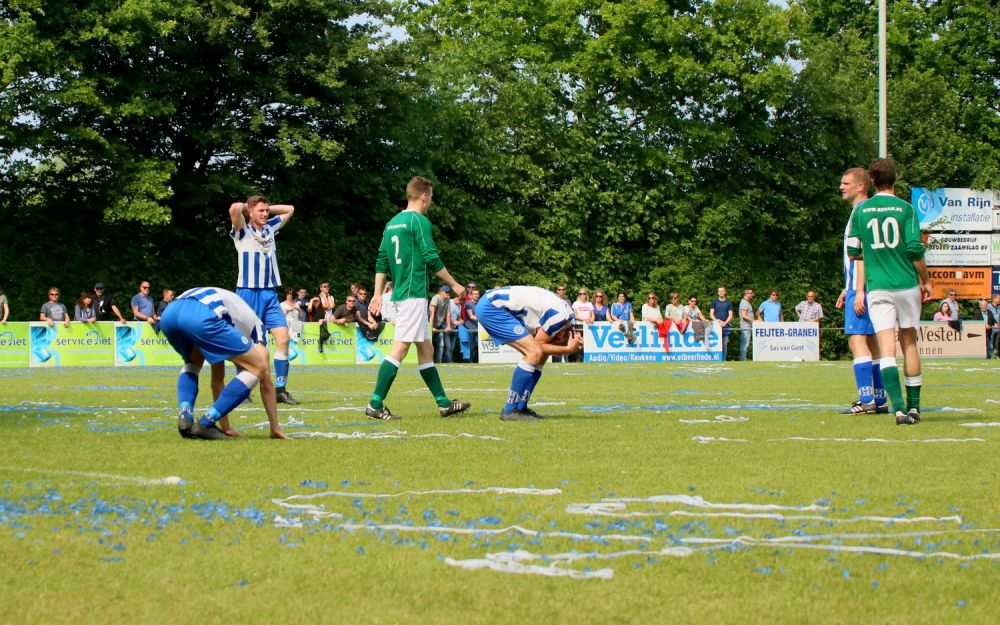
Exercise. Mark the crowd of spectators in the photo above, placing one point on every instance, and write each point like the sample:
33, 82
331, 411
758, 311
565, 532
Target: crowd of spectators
454, 325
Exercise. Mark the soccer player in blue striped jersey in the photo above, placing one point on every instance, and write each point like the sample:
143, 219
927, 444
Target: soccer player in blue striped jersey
216, 325
857, 323
534, 321
255, 224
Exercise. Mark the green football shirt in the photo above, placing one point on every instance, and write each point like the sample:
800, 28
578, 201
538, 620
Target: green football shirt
886, 232
409, 255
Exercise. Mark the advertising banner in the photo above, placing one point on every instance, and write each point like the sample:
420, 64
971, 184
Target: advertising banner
786, 341
950, 250
137, 344
995, 250
603, 342
79, 345
996, 281
338, 349
937, 339
490, 352
968, 282
963, 210
14, 345
374, 352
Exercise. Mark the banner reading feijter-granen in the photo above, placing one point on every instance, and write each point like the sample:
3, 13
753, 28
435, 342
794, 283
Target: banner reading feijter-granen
786, 341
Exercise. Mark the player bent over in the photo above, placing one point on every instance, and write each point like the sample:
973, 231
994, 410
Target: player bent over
213, 324
885, 233
537, 323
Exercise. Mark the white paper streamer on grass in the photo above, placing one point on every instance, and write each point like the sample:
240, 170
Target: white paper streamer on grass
515, 562
696, 501
389, 434
619, 511
112, 477
991, 424
880, 440
750, 541
718, 419
717, 439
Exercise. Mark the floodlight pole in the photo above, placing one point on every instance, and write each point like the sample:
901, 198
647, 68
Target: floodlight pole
883, 124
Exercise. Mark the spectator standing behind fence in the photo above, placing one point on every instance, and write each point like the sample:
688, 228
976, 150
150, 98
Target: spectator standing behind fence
168, 296
995, 330
471, 322
809, 309
621, 313
104, 304
651, 309
440, 319
956, 321
143, 307
944, 312
675, 312
290, 306
53, 310
770, 309
600, 306
326, 303
4, 308
746, 322
302, 297
344, 314
722, 311
583, 309
84, 309
455, 319
990, 321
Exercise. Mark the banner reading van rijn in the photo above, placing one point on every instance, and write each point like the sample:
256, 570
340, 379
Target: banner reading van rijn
14, 344
137, 344
785, 341
337, 350
79, 345
603, 342
373, 353
963, 210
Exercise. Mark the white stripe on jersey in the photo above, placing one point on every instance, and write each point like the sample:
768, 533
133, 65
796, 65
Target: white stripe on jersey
256, 256
534, 306
850, 265
231, 307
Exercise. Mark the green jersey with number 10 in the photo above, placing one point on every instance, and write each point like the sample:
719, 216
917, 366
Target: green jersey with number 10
409, 255
886, 233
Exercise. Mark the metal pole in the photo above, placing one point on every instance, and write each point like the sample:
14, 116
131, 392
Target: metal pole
883, 123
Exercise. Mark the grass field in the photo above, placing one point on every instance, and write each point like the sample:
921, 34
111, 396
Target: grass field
650, 494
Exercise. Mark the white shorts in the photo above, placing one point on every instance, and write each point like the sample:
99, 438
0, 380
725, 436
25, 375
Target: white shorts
889, 309
412, 320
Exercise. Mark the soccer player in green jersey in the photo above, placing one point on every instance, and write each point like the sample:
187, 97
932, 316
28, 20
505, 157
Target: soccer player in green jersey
408, 253
885, 233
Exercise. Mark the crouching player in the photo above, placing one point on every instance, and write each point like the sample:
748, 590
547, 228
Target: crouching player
535, 322
213, 324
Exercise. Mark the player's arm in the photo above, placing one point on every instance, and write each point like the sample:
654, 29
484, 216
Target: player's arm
268, 398
284, 211
456, 288
118, 313
6, 312
550, 346
236, 217
926, 288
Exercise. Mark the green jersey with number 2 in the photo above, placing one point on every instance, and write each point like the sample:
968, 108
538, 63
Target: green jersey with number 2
886, 232
409, 255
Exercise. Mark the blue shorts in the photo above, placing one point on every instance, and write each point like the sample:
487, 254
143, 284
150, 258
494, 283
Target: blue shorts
854, 324
187, 323
264, 303
499, 323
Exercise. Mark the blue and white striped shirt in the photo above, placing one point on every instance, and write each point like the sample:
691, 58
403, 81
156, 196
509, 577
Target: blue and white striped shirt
230, 307
850, 265
256, 255
533, 306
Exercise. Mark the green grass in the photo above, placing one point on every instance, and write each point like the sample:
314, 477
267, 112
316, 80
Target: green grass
87, 535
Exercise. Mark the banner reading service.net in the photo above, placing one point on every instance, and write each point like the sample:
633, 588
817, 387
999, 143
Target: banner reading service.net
604, 342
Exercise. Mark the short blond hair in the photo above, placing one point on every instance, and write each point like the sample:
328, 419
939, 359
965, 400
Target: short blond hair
417, 186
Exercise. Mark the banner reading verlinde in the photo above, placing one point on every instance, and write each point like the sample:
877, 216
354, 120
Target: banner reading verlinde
603, 342
785, 341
